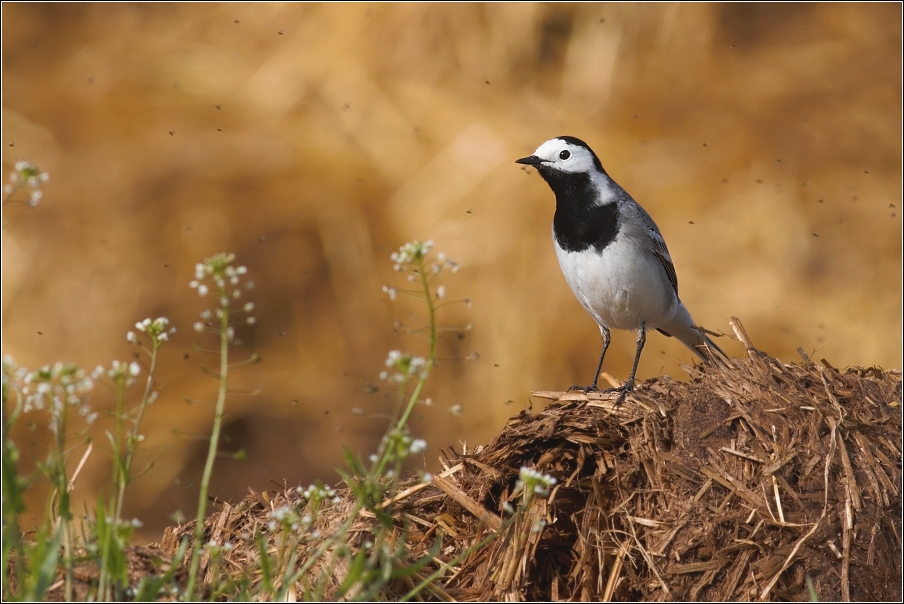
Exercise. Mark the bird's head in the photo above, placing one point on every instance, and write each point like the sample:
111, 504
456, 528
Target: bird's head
564, 154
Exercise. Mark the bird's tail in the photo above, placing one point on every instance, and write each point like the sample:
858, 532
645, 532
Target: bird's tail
682, 327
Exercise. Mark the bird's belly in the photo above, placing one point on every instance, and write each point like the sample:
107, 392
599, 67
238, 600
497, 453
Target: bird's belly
620, 288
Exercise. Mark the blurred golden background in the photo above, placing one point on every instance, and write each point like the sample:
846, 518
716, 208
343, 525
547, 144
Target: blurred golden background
314, 139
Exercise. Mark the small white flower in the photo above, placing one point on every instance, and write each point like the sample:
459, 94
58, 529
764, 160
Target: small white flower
130, 337
202, 290
249, 306
417, 446
251, 320
134, 369
440, 292
198, 326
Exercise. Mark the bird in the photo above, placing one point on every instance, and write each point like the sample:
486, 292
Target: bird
613, 255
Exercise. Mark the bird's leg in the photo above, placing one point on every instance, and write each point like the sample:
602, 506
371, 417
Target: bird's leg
628, 386
604, 332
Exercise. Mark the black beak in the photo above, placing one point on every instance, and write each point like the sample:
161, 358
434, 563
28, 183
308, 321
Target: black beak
533, 160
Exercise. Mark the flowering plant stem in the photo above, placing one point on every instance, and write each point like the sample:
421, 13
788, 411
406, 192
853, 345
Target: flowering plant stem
133, 437
64, 514
124, 452
422, 274
211, 452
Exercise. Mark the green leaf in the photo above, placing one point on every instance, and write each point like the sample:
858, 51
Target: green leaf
406, 571
148, 589
354, 462
43, 562
266, 569
355, 570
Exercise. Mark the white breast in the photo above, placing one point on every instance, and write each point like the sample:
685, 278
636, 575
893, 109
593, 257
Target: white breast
621, 287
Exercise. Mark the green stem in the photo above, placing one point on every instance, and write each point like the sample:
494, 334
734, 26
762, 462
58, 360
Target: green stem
104, 590
211, 451
423, 276
431, 358
62, 487
132, 443
13, 504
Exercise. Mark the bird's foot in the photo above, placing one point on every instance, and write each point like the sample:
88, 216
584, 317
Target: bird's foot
585, 389
622, 390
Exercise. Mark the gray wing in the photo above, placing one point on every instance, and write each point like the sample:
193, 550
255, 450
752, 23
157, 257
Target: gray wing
645, 230
657, 246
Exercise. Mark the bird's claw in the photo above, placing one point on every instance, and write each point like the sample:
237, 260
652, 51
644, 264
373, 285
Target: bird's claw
622, 390
585, 389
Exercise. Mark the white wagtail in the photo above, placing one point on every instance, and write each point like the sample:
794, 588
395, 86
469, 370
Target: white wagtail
612, 254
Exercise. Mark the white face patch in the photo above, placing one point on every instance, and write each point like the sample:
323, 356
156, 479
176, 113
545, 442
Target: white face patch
566, 156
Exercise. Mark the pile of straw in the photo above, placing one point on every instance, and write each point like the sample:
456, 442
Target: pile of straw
755, 480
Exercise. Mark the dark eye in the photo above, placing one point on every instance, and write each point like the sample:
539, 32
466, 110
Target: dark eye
564, 154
